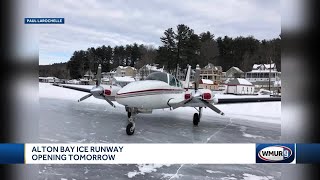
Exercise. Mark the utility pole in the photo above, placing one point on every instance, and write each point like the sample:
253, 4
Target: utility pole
177, 69
270, 75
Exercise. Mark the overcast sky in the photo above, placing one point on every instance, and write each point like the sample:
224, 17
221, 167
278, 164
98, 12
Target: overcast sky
92, 23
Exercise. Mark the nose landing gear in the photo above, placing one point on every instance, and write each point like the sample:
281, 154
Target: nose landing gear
130, 127
197, 116
196, 119
131, 124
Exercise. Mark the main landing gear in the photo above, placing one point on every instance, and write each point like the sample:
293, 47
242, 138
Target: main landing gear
197, 116
131, 124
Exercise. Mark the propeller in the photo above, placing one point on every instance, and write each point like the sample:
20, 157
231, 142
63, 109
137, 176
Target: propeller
211, 106
197, 96
110, 102
98, 76
97, 90
85, 97
196, 78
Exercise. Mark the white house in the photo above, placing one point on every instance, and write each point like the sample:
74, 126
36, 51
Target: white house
239, 86
49, 79
105, 80
88, 75
234, 72
123, 71
261, 73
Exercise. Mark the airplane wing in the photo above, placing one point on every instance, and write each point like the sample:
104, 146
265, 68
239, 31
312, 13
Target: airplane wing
198, 101
105, 92
85, 89
73, 87
247, 100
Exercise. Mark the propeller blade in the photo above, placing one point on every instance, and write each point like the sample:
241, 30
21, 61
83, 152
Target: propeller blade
196, 78
98, 76
187, 101
84, 97
211, 106
109, 101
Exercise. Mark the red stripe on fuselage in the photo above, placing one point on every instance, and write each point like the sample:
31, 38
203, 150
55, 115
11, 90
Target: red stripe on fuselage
150, 90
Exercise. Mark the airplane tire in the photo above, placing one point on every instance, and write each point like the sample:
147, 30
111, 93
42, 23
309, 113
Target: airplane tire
129, 129
196, 119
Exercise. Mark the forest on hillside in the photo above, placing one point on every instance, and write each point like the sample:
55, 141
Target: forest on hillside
180, 46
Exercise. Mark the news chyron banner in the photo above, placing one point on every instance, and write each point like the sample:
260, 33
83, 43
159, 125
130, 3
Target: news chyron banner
228, 153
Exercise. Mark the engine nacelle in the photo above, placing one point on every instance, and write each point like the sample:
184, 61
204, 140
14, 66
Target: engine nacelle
206, 96
107, 92
215, 100
187, 96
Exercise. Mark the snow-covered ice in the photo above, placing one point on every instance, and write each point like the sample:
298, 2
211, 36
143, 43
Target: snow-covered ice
213, 172
145, 168
255, 177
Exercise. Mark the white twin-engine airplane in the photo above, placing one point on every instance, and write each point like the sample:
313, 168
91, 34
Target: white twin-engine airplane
158, 91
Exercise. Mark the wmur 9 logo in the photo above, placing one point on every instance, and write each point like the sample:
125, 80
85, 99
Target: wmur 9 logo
275, 153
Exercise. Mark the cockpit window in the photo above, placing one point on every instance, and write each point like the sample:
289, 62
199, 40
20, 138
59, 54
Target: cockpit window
160, 76
172, 80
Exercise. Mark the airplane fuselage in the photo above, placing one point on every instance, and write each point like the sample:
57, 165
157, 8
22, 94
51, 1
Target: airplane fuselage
149, 94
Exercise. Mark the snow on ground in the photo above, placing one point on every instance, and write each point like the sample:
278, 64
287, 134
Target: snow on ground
269, 112
254, 177
145, 168
228, 178
214, 172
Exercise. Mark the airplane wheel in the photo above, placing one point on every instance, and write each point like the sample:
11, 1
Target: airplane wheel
130, 129
129, 114
196, 119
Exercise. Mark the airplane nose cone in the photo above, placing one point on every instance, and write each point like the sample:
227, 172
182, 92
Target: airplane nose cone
97, 91
215, 100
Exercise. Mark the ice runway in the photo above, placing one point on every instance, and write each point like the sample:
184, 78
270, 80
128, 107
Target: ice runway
63, 120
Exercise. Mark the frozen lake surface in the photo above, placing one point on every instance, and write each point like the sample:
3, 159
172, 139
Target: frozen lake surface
64, 120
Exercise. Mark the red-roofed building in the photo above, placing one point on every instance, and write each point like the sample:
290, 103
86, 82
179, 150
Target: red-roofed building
239, 86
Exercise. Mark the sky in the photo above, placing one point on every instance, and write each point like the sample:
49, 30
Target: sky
93, 23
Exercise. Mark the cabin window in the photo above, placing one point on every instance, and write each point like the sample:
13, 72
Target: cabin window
159, 76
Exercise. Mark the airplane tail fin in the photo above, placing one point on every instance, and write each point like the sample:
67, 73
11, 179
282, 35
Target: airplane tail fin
187, 80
